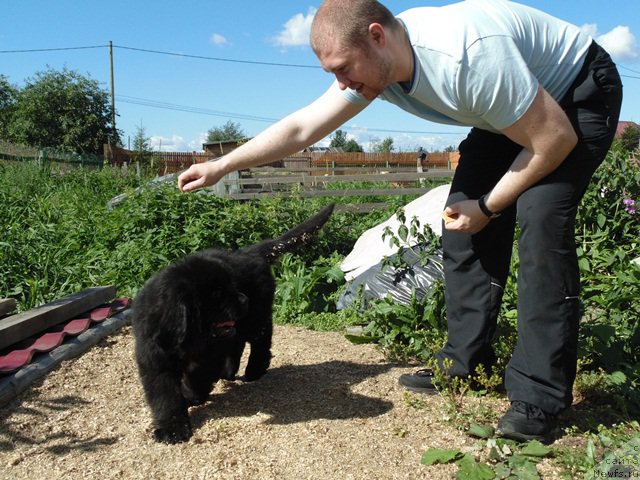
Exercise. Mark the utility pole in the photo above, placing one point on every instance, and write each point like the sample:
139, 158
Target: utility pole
113, 94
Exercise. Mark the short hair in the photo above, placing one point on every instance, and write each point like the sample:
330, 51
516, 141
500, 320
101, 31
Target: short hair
348, 21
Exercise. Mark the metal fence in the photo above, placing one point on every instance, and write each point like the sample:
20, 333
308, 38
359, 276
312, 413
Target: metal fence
10, 151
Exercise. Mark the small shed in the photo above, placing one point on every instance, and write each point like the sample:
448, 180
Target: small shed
222, 147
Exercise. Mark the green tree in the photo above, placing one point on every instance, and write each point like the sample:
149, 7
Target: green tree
630, 138
141, 145
383, 146
8, 95
353, 146
340, 140
229, 131
63, 109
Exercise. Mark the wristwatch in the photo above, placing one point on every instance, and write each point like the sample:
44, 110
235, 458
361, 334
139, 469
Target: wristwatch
485, 209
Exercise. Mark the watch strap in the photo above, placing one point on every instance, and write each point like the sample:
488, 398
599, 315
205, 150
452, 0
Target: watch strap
483, 206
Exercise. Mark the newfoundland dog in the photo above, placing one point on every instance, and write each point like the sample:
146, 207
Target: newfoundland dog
192, 319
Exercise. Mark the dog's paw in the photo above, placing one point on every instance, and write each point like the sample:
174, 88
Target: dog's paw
253, 374
228, 369
174, 433
191, 397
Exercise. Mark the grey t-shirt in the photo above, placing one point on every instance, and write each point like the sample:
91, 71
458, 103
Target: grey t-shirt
479, 62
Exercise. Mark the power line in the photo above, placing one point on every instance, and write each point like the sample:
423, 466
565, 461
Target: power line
159, 52
33, 50
184, 108
627, 68
240, 116
217, 59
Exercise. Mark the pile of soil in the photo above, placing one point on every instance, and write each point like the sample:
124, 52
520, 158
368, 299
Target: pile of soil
327, 409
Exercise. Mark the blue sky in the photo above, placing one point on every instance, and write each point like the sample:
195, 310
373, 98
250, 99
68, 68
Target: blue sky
177, 97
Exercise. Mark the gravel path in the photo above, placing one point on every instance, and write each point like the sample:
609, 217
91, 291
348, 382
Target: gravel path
327, 409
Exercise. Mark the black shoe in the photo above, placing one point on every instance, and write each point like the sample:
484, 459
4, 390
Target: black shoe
420, 382
524, 422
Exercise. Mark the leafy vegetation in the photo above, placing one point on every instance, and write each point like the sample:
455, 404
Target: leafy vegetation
630, 138
228, 132
58, 236
57, 109
340, 139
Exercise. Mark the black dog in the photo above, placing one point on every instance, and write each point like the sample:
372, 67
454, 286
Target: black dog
192, 319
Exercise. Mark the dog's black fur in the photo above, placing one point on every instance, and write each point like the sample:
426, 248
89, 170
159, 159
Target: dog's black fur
192, 319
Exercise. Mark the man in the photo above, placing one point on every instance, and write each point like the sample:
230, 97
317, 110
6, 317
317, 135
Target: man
543, 100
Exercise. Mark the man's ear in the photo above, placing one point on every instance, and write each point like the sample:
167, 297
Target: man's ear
377, 34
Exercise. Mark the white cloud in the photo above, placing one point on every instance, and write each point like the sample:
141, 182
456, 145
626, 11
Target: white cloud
195, 145
619, 42
218, 39
296, 31
590, 29
175, 143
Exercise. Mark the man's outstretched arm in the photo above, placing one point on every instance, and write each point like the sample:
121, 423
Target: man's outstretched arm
286, 137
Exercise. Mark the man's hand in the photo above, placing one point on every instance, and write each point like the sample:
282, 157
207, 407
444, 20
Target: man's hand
201, 175
467, 217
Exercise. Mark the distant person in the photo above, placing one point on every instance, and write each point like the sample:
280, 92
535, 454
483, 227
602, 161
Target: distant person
543, 101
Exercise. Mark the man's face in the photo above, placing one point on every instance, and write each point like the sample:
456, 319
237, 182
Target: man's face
361, 68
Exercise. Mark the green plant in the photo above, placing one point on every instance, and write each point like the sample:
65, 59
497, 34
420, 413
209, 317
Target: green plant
59, 237
303, 289
452, 388
409, 238
606, 453
414, 331
498, 458
608, 241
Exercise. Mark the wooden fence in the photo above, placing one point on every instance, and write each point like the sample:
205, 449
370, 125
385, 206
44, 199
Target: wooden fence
261, 182
317, 163
384, 160
162, 162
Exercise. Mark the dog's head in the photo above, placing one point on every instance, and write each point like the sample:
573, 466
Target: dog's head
210, 303
193, 302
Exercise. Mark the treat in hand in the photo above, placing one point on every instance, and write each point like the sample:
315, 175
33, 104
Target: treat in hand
449, 218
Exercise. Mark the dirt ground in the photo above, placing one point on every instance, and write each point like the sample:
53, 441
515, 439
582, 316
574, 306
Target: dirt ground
327, 409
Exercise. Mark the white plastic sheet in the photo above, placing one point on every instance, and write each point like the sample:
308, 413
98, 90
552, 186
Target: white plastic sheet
363, 267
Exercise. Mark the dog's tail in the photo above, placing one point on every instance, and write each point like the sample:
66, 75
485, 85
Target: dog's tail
297, 236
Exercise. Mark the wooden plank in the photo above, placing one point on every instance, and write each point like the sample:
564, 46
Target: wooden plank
333, 193
7, 306
320, 179
23, 325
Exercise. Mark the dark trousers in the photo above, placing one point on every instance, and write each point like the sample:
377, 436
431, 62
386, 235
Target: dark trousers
543, 366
